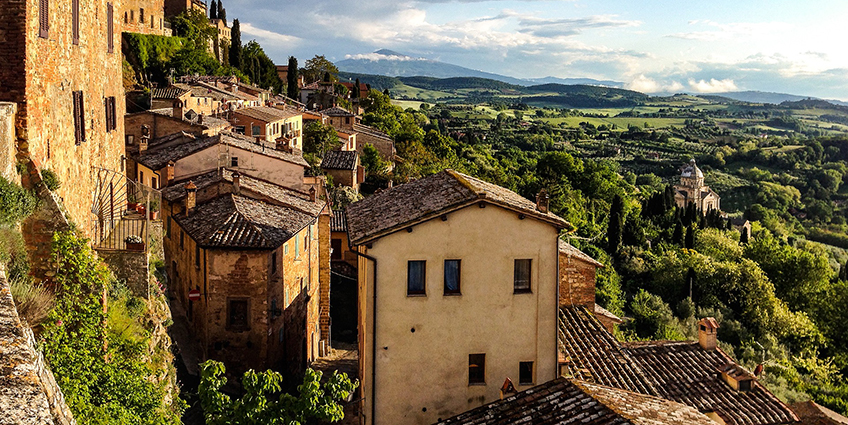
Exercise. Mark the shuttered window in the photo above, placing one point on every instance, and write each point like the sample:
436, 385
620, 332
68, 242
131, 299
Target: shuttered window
75, 21
43, 18
79, 117
110, 30
111, 115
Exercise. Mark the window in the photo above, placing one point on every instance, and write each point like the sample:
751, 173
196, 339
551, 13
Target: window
43, 18
452, 277
336, 246
525, 373
197, 256
111, 114
182, 239
234, 161
522, 276
296, 247
286, 249
110, 29
256, 131
476, 369
141, 16
154, 183
132, 15
168, 228
237, 314
141, 177
273, 263
415, 278
79, 117
75, 22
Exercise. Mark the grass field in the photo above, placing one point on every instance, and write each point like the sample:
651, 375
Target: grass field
619, 122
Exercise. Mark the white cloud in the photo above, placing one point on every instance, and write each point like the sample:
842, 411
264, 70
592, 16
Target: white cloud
373, 57
646, 84
712, 86
270, 36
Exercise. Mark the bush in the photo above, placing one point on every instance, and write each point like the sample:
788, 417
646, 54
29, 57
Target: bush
16, 203
32, 300
50, 179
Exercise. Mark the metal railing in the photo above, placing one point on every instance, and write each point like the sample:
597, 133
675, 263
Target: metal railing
122, 212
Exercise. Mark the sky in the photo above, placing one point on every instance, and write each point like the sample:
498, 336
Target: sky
654, 46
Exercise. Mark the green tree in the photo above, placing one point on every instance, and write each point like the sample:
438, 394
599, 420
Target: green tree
319, 138
357, 91
222, 13
616, 224
193, 25
236, 60
690, 237
292, 90
213, 10
264, 403
374, 164
316, 67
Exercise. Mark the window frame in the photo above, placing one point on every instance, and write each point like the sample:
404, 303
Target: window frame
110, 28
79, 116
44, 19
521, 371
423, 278
75, 22
238, 326
458, 290
516, 287
477, 360
234, 162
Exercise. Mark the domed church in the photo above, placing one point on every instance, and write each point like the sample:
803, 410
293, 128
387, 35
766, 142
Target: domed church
692, 189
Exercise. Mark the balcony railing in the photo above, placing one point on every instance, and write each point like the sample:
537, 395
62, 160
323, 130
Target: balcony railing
122, 212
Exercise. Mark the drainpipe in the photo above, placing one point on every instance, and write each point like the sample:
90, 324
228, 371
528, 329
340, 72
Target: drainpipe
556, 311
373, 336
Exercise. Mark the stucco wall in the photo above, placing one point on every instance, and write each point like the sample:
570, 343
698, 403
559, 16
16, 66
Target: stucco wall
260, 166
422, 375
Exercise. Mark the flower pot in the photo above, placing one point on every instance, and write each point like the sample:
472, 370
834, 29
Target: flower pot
153, 215
132, 206
141, 209
135, 246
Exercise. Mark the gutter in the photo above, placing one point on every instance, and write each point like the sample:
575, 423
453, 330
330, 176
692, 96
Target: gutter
373, 335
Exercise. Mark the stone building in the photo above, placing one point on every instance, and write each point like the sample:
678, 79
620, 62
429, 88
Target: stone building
344, 168
692, 190
274, 125
222, 40
62, 67
250, 249
183, 98
578, 275
144, 17
458, 281
175, 7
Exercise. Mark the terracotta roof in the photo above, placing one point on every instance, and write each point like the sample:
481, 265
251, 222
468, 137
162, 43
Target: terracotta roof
204, 91
250, 186
570, 250
158, 156
686, 373
336, 111
564, 401
811, 413
678, 371
239, 222
590, 353
340, 160
338, 223
371, 131
429, 197
600, 311
171, 92
266, 113
312, 86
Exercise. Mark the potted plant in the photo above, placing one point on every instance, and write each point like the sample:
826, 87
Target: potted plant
132, 203
153, 213
141, 209
134, 243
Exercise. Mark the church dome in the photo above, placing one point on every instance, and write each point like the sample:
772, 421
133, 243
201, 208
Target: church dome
691, 170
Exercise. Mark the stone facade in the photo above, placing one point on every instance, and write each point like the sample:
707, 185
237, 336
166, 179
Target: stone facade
130, 267
324, 281
144, 17
8, 143
175, 7
577, 281
692, 190
30, 394
161, 126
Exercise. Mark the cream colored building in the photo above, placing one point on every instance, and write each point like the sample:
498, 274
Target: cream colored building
458, 287
692, 190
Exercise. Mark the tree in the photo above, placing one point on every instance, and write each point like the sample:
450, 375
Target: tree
677, 237
744, 236
373, 163
265, 403
291, 79
316, 67
235, 48
193, 25
616, 223
213, 10
222, 13
357, 93
319, 138
690, 237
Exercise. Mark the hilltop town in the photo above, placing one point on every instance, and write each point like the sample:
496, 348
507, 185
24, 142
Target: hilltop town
193, 233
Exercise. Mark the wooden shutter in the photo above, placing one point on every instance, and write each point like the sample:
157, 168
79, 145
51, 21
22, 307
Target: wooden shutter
110, 30
75, 21
43, 18
78, 123
108, 107
114, 114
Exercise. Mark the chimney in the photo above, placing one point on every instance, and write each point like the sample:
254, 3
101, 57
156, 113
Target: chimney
312, 193
169, 172
142, 143
542, 201
708, 333
191, 197
236, 182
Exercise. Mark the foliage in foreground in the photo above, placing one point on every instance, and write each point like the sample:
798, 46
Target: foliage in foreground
99, 366
261, 406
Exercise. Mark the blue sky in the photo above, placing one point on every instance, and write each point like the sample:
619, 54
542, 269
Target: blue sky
652, 46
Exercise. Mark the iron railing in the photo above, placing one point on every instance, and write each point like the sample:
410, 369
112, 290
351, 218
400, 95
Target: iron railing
123, 208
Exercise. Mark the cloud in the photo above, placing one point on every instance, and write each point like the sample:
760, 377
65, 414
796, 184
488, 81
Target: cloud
269, 36
732, 31
373, 57
573, 26
649, 85
712, 86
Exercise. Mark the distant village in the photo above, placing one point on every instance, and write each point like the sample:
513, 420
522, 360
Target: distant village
460, 302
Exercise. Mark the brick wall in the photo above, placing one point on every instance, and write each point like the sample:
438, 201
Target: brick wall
577, 282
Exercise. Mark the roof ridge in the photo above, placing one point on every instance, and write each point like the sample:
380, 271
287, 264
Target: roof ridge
462, 179
244, 217
581, 384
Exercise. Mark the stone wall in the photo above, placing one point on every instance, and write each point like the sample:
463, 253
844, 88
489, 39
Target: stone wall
577, 281
144, 17
28, 391
130, 267
324, 279
8, 148
38, 228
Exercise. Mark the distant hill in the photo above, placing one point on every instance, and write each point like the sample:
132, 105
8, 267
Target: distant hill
770, 97
394, 64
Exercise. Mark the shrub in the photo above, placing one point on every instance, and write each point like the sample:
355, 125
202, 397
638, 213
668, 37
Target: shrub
32, 300
16, 203
50, 179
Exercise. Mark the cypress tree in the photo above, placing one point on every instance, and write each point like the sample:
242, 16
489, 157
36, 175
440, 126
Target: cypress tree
213, 10
729, 224
690, 237
616, 223
356, 91
235, 48
677, 237
743, 238
291, 79
668, 198
222, 13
